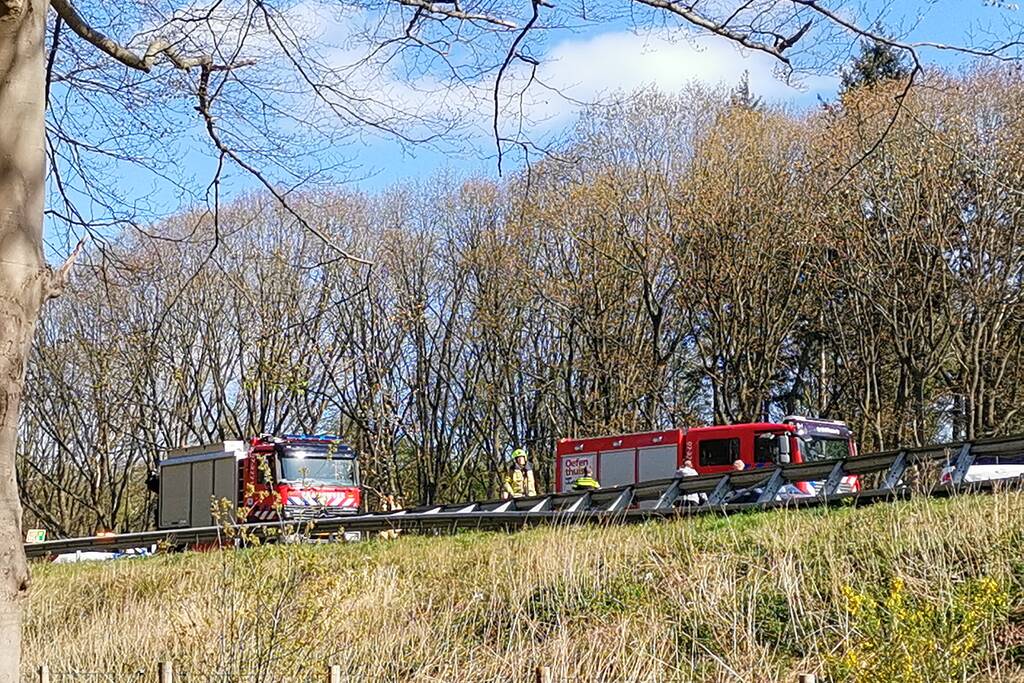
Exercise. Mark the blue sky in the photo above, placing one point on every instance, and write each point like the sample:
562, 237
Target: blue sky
620, 56
598, 58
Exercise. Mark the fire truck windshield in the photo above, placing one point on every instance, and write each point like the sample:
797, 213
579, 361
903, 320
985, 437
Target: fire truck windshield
318, 468
816, 448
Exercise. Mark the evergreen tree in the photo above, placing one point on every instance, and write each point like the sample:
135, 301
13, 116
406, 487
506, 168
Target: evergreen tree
877, 62
742, 97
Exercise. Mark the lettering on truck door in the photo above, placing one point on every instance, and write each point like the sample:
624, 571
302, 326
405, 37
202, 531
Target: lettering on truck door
574, 466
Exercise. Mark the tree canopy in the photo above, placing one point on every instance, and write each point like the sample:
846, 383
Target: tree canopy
682, 261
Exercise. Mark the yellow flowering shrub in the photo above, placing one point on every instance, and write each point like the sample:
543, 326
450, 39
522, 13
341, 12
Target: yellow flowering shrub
903, 637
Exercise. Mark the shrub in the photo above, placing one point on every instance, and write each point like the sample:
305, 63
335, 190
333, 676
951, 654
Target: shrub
906, 638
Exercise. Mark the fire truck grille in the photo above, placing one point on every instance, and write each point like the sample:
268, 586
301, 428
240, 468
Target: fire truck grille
316, 511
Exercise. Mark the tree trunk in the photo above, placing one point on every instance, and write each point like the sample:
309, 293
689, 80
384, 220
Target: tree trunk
25, 281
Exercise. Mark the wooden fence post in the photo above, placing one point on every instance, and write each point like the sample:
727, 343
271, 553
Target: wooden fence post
544, 674
44, 673
334, 673
165, 671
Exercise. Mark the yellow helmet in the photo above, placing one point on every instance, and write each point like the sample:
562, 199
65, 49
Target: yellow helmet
518, 453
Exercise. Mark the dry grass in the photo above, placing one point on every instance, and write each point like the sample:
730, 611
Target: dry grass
757, 597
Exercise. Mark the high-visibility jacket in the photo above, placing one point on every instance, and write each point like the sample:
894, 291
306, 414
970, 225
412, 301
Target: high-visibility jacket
585, 484
519, 482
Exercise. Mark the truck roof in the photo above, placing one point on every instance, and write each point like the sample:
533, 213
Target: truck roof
762, 426
815, 420
210, 451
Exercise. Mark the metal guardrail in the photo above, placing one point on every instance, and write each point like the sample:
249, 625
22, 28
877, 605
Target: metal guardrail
660, 498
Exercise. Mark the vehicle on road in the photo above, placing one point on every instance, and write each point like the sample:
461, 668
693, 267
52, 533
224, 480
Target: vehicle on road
631, 458
101, 555
292, 477
989, 468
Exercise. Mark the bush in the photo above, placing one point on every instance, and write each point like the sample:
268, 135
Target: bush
906, 638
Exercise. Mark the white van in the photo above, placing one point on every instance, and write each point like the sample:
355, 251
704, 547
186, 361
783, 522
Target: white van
989, 468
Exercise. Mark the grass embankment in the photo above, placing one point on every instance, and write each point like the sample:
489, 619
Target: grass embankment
920, 591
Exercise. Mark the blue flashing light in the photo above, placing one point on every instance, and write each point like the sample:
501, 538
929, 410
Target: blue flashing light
337, 448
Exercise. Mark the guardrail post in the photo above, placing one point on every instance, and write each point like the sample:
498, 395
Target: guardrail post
807, 678
542, 506
835, 479
334, 673
622, 501
896, 470
165, 672
544, 674
44, 674
771, 488
669, 497
581, 504
964, 460
722, 489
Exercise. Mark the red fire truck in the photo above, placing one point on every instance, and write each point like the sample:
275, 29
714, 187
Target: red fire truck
631, 458
294, 477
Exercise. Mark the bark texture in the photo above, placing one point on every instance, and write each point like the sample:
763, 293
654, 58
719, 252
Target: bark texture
25, 281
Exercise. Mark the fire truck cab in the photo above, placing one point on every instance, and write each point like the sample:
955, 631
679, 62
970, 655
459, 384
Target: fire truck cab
631, 458
292, 477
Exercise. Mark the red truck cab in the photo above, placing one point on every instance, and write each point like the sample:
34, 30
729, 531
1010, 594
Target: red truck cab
300, 477
757, 444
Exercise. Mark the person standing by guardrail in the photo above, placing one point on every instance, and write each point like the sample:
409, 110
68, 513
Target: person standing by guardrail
687, 470
586, 482
519, 481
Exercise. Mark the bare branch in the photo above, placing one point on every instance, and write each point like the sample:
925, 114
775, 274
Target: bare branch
211, 129
52, 57
455, 13
512, 54
723, 29
911, 47
158, 48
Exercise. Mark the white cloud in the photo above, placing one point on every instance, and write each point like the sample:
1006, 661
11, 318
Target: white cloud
573, 69
579, 70
587, 68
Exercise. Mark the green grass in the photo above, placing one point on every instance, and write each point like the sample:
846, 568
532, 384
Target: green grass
927, 590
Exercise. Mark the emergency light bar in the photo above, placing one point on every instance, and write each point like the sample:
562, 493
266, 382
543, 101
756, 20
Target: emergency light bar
294, 444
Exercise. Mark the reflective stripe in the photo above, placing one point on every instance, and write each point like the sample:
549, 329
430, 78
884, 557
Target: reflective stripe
321, 500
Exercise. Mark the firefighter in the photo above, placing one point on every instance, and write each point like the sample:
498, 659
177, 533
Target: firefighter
519, 480
586, 482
